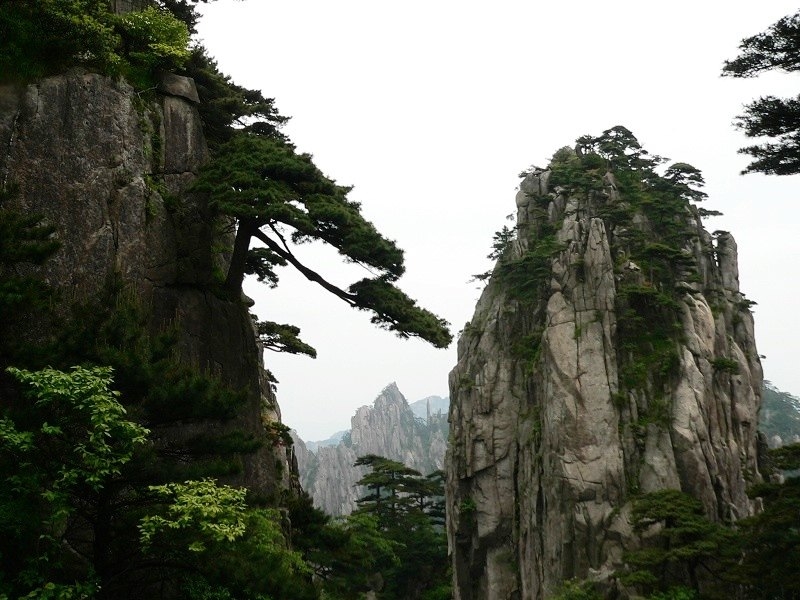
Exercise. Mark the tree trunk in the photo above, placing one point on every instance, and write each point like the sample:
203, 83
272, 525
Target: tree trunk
241, 246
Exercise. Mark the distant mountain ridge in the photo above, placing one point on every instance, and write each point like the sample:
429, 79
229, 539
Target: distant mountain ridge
430, 405
385, 428
331, 441
414, 434
780, 416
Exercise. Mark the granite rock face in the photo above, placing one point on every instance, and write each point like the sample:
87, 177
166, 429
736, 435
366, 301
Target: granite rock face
557, 422
387, 428
110, 169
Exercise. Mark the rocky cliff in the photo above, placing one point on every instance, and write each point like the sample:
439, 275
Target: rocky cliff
109, 168
387, 428
611, 354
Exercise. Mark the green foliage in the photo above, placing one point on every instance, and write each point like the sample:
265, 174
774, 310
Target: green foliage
113, 330
574, 589
786, 458
43, 37
770, 542
394, 311
226, 108
775, 48
152, 40
74, 486
82, 401
261, 564
58, 459
278, 433
526, 276
681, 545
501, 242
25, 241
647, 324
778, 48
282, 338
280, 198
200, 510
674, 593
725, 365
402, 514
263, 182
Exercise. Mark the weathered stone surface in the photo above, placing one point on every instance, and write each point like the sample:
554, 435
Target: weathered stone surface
178, 85
96, 160
547, 451
387, 428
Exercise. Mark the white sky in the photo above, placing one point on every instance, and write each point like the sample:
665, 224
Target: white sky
431, 109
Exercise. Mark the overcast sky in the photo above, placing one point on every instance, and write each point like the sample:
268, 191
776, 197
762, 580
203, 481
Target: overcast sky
432, 108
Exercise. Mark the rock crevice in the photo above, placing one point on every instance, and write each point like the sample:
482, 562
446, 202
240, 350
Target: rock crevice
111, 168
580, 416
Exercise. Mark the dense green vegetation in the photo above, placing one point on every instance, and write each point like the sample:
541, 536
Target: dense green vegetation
79, 518
408, 509
111, 470
43, 37
777, 49
754, 558
683, 555
280, 198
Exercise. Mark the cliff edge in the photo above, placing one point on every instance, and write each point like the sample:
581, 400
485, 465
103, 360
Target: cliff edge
110, 169
611, 354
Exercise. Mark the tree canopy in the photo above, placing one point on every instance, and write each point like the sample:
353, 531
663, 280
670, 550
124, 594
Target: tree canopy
776, 49
407, 509
42, 37
279, 198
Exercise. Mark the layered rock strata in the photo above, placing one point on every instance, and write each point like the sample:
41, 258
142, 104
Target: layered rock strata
560, 415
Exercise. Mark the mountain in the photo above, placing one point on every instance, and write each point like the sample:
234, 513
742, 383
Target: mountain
388, 428
109, 169
430, 405
611, 354
780, 416
331, 441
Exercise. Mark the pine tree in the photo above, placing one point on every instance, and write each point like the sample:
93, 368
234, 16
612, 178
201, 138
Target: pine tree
776, 49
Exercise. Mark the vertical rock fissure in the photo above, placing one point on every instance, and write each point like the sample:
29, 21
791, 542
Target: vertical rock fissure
10, 148
601, 305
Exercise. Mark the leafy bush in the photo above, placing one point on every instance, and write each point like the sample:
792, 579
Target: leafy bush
574, 589
43, 37
725, 365
152, 40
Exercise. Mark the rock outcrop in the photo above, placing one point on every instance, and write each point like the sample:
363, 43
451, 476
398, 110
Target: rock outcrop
605, 360
109, 168
387, 428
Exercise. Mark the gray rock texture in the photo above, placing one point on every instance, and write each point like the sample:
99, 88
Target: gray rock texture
387, 428
109, 168
550, 440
